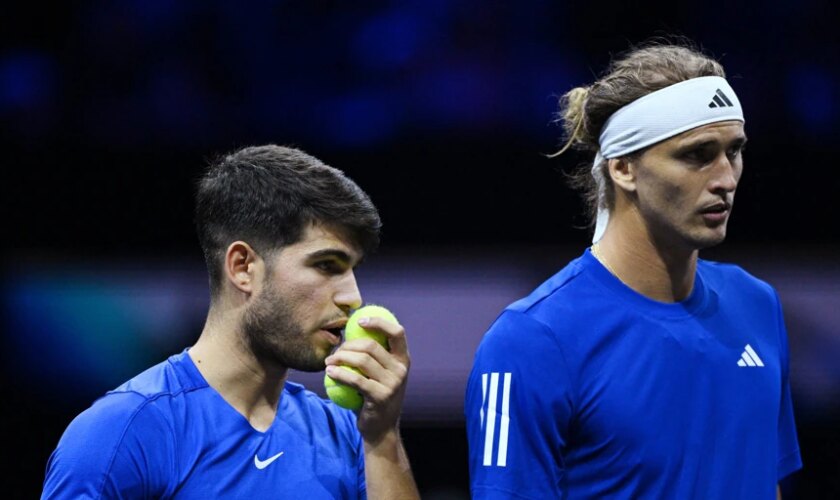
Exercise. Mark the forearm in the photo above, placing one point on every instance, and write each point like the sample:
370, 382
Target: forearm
387, 470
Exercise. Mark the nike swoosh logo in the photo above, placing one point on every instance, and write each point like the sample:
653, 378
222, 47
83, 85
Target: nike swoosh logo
262, 464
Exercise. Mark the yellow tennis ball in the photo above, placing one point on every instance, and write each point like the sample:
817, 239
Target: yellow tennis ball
353, 331
343, 395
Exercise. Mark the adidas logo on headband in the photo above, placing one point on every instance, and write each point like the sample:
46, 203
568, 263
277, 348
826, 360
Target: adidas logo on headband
720, 100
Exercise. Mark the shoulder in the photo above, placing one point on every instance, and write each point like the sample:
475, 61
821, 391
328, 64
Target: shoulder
732, 280
111, 411
555, 291
108, 444
550, 314
106, 423
141, 400
171, 377
148, 397
105, 447
521, 346
513, 328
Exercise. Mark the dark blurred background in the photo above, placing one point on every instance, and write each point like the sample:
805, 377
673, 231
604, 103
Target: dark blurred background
442, 111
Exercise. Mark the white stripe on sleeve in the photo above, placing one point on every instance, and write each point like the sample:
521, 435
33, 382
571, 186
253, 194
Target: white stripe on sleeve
483, 397
490, 429
505, 422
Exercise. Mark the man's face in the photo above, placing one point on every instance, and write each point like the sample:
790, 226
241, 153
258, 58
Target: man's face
686, 184
309, 290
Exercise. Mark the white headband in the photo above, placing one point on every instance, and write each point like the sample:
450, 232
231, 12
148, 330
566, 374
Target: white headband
659, 116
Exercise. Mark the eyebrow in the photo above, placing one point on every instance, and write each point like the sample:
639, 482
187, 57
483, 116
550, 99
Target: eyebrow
331, 253
740, 141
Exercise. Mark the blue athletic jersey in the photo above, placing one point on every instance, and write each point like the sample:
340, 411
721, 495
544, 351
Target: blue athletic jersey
167, 434
587, 389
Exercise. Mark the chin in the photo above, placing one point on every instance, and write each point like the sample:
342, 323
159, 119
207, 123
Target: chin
708, 240
300, 357
315, 364
315, 361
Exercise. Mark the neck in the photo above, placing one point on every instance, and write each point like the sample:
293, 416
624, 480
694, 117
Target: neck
251, 386
655, 269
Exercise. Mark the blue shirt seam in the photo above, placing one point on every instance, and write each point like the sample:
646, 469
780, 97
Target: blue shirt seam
147, 400
120, 441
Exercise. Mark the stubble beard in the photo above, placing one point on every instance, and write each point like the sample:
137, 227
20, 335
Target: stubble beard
704, 241
688, 235
272, 334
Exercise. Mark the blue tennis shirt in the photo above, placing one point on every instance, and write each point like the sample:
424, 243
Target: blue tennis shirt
167, 434
587, 389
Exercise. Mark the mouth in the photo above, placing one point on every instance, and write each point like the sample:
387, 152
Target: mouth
335, 328
717, 208
716, 213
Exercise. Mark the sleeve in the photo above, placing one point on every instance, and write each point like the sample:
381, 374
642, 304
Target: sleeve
111, 450
788, 458
519, 404
360, 450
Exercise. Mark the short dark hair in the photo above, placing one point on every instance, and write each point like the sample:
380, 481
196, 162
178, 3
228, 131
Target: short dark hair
267, 195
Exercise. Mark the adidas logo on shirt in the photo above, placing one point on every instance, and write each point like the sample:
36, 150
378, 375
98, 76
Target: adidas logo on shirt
497, 403
720, 100
749, 358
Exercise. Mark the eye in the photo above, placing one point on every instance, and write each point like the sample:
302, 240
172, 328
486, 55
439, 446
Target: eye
735, 151
698, 156
329, 267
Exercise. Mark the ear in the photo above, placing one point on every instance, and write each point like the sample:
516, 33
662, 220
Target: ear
243, 267
623, 173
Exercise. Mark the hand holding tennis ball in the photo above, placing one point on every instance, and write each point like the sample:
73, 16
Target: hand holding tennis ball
343, 395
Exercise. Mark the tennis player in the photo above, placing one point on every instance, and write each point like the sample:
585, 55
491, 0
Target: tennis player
281, 234
640, 370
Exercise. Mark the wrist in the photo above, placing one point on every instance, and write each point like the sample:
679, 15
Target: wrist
387, 438
387, 448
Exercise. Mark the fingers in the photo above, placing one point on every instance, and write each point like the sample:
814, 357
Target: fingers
395, 333
384, 373
382, 378
373, 390
372, 359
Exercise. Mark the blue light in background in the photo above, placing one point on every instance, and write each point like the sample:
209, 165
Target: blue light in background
463, 94
71, 332
389, 40
361, 118
27, 81
178, 103
812, 97
157, 17
80, 330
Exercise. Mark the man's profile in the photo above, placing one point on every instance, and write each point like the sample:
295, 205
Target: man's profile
281, 234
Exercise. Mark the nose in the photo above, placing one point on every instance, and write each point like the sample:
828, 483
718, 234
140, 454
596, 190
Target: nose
725, 175
347, 296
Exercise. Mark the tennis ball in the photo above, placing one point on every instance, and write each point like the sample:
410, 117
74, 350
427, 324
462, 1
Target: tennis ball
353, 331
343, 395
